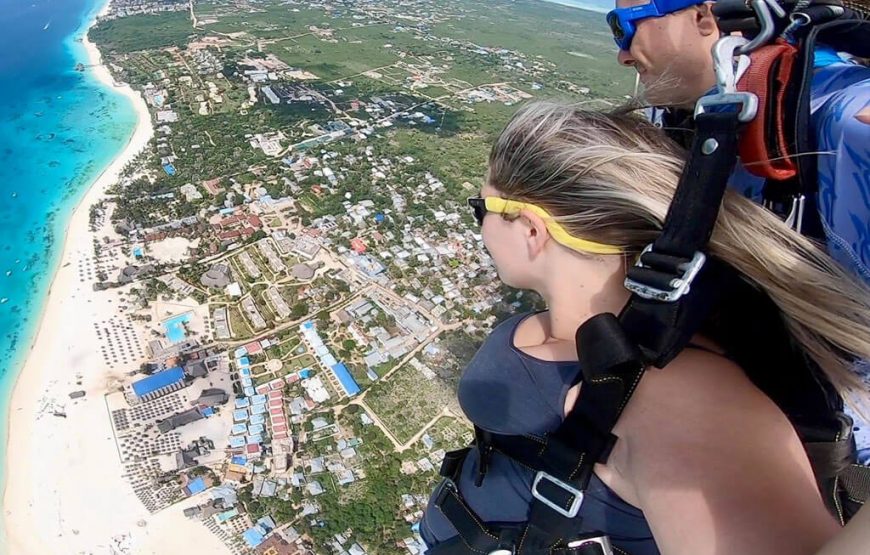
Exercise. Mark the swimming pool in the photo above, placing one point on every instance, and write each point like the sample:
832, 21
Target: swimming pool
175, 327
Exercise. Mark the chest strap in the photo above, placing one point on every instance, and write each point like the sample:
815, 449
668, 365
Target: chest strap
476, 536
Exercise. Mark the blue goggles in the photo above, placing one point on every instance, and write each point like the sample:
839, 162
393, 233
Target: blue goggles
622, 20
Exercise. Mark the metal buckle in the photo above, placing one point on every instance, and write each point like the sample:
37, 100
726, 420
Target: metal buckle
572, 509
726, 81
681, 284
601, 541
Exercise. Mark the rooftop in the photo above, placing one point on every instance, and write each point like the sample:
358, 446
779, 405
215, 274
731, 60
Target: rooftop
158, 381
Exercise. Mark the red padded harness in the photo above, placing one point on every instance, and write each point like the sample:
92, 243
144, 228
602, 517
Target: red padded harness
764, 149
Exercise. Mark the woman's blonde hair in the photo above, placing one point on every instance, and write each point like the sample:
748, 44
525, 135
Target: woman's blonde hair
610, 178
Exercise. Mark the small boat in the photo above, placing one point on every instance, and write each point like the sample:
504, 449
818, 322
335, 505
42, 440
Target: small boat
46, 25
8, 273
4, 300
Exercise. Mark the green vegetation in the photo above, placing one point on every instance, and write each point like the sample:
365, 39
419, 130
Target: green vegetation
143, 32
408, 400
238, 325
372, 507
346, 57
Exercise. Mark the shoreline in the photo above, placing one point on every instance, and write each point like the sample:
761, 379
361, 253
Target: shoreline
24, 401
64, 489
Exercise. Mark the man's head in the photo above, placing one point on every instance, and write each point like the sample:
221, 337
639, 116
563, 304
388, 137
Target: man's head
669, 43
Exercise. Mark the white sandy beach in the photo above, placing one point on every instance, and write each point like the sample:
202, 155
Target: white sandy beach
65, 493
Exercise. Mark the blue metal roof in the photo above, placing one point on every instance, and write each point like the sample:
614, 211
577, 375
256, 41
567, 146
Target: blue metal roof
347, 382
158, 381
266, 523
253, 537
196, 486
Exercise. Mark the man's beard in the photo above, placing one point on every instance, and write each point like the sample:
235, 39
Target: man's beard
668, 90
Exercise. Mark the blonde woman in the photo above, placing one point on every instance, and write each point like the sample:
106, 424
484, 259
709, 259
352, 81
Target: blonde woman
705, 463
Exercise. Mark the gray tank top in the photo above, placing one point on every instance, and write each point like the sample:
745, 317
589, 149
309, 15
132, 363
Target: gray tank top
506, 391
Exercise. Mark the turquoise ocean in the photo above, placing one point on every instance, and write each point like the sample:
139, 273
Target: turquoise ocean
59, 129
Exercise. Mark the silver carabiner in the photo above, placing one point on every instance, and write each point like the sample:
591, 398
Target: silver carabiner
762, 9
726, 80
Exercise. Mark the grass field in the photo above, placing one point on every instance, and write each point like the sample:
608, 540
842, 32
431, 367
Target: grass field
333, 60
408, 400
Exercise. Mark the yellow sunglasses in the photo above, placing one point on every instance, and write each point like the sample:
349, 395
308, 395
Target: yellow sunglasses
498, 205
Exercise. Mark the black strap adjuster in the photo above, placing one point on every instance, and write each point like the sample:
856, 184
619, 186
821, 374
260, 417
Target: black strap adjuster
662, 277
444, 488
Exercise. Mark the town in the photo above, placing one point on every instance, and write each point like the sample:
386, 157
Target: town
300, 284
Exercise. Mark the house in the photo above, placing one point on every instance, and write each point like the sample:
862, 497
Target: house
179, 419
218, 276
357, 245
211, 398
213, 186
159, 384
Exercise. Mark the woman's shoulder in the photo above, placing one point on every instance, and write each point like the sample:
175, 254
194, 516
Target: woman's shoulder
703, 444
698, 411
700, 382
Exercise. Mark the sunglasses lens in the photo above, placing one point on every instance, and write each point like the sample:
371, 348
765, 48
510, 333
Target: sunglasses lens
479, 213
617, 30
478, 208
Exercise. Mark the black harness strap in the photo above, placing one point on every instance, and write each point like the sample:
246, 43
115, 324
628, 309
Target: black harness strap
856, 483
662, 320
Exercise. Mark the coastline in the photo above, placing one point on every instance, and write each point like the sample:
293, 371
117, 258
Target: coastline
65, 491
54, 332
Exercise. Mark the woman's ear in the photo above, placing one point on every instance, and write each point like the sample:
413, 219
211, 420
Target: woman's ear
536, 233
